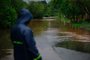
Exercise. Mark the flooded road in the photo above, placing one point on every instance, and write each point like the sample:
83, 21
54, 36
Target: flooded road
48, 33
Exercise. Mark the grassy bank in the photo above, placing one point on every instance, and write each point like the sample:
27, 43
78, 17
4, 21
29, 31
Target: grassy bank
83, 25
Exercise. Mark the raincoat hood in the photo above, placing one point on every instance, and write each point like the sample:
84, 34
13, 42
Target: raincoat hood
25, 16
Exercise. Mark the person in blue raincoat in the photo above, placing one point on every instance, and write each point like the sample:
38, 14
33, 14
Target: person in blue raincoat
22, 38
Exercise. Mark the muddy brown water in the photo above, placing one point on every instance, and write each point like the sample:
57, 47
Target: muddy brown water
46, 32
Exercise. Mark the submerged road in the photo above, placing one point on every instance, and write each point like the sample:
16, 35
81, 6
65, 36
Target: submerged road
45, 43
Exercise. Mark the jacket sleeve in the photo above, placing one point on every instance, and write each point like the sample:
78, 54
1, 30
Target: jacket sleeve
31, 43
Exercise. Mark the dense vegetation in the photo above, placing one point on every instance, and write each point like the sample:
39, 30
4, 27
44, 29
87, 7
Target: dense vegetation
70, 11
75, 10
9, 11
37, 9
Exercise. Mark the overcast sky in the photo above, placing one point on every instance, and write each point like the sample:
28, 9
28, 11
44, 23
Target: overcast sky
36, 0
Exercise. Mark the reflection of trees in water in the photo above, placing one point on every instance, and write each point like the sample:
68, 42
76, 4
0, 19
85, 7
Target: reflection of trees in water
38, 26
70, 28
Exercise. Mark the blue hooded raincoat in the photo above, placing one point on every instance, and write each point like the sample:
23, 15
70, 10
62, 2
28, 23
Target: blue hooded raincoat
22, 38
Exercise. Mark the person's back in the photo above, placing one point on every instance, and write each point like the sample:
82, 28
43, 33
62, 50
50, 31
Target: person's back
22, 38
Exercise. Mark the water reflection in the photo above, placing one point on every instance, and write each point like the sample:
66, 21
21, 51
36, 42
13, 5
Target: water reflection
38, 26
70, 28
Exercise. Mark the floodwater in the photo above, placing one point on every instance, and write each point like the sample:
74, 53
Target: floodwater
49, 32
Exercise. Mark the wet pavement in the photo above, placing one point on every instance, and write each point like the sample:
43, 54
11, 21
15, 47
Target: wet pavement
66, 54
45, 43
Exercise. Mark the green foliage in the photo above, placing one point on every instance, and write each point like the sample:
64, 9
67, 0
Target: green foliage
75, 10
18, 4
7, 14
53, 7
48, 11
7, 17
37, 9
9, 11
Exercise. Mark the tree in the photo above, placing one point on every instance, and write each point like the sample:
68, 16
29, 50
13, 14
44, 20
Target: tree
9, 11
37, 9
7, 14
76, 10
18, 4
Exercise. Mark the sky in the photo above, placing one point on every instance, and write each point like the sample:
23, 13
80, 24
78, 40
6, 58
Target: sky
36, 0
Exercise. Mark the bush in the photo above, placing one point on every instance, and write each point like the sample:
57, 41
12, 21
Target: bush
8, 11
7, 16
